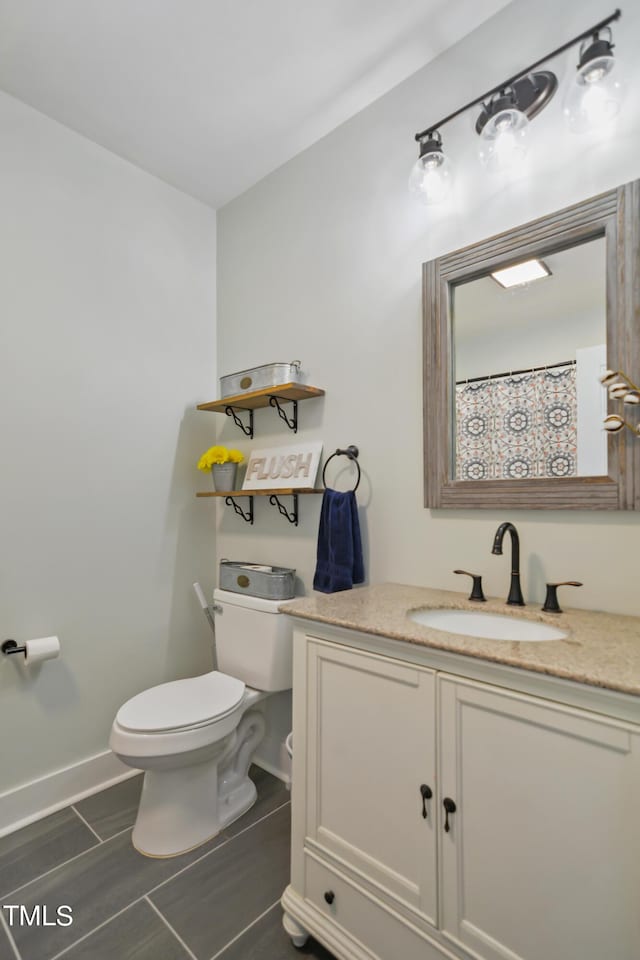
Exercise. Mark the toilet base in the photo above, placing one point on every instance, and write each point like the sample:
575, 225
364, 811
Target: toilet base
182, 808
150, 835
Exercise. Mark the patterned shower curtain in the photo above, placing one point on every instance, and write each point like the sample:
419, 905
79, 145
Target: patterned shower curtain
517, 426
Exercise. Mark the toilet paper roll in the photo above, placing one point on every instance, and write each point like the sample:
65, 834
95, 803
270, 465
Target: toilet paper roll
44, 648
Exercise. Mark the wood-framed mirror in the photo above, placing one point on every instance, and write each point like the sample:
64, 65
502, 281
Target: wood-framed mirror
513, 406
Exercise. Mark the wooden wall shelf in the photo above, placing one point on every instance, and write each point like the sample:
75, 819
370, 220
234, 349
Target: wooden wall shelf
268, 397
259, 493
274, 498
261, 398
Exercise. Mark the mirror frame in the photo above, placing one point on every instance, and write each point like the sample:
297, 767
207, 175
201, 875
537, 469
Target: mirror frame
616, 215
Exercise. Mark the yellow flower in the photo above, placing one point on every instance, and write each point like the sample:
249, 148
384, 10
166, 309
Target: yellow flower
218, 454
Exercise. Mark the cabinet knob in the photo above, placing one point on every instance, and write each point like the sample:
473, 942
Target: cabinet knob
449, 807
329, 896
426, 793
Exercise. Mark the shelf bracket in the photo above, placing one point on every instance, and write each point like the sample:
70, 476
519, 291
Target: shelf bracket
247, 430
292, 423
246, 515
291, 517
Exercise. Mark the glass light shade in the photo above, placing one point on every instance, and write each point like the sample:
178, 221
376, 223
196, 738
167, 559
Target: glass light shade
595, 96
504, 139
431, 178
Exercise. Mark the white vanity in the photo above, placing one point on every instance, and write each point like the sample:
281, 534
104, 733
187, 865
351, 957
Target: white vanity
463, 798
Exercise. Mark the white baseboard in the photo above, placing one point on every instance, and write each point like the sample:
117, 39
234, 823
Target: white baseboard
276, 771
31, 801
38, 798
272, 756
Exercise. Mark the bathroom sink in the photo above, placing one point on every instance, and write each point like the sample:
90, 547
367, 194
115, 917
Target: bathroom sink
487, 626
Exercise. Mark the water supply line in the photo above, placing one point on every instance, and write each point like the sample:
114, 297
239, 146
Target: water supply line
209, 615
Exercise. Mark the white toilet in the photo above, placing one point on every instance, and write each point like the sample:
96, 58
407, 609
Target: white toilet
195, 738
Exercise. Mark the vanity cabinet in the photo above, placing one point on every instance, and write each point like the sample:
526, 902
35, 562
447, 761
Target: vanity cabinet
542, 857
538, 855
371, 752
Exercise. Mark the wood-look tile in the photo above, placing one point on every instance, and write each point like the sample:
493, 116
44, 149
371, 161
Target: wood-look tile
43, 845
136, 934
267, 940
272, 793
96, 885
215, 900
113, 809
6, 950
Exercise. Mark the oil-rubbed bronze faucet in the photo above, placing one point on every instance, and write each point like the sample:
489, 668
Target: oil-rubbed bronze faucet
515, 592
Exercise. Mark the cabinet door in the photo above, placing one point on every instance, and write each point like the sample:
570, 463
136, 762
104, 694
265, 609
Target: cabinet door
371, 748
542, 858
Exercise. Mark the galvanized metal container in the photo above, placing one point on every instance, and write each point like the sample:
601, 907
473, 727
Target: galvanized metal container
258, 579
259, 378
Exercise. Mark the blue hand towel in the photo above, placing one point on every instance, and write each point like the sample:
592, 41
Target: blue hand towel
339, 562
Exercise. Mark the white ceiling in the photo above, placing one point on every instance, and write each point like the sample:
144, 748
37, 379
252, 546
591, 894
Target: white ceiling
211, 95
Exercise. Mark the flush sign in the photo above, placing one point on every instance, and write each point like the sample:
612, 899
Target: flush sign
281, 468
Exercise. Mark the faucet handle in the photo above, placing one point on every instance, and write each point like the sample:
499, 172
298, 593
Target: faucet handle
551, 604
476, 590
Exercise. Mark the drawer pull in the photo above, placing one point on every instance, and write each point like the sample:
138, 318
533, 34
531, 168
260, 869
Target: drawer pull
329, 896
426, 794
450, 807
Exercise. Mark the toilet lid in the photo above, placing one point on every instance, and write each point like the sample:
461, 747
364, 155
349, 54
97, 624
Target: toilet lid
182, 703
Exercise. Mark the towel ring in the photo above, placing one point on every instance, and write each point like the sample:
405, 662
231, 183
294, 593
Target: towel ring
352, 453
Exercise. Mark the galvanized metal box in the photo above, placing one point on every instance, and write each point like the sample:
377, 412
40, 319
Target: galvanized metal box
258, 579
259, 378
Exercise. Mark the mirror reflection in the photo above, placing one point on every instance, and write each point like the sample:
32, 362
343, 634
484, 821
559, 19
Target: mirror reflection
529, 345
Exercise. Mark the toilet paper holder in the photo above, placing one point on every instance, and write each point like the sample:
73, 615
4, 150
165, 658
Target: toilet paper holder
12, 646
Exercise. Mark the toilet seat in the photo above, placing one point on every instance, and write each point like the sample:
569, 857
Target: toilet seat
182, 704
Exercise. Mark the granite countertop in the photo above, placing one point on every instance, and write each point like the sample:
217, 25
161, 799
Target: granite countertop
601, 649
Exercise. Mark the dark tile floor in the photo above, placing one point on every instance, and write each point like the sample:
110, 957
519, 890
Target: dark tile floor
220, 900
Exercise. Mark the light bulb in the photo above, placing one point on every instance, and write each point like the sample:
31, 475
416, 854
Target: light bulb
504, 139
594, 97
431, 176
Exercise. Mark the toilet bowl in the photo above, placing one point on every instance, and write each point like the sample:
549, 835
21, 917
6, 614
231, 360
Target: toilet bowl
195, 738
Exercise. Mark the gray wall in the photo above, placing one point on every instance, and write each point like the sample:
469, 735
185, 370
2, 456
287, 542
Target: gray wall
321, 261
107, 342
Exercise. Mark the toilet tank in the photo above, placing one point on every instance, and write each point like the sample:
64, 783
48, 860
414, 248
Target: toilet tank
254, 642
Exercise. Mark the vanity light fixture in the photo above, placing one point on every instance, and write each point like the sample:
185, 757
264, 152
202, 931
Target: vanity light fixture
503, 124
431, 174
507, 109
504, 131
521, 273
596, 93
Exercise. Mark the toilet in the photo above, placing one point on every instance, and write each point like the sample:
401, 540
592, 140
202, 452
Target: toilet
195, 738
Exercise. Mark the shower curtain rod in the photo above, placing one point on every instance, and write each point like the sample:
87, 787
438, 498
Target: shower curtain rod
515, 373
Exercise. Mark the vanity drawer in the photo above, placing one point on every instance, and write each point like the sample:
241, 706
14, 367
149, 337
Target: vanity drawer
363, 917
